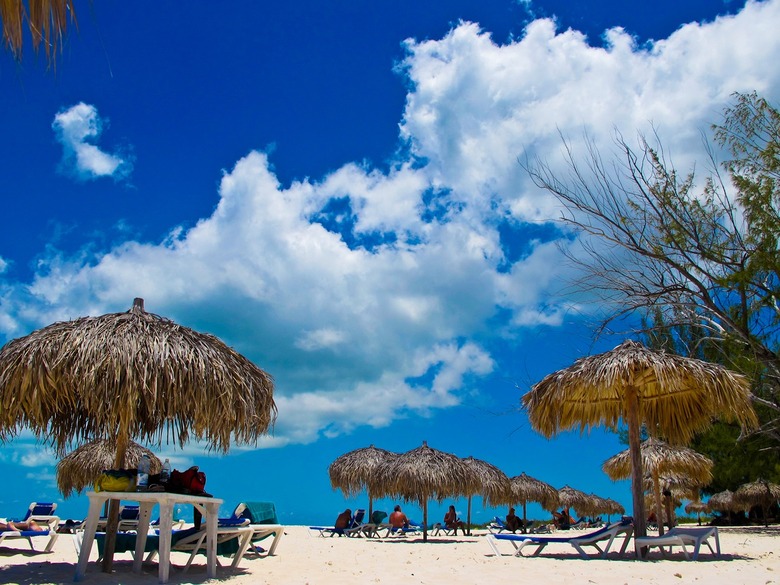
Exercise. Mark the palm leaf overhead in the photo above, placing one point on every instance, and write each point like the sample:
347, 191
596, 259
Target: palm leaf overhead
660, 459
671, 395
46, 20
424, 474
352, 471
80, 468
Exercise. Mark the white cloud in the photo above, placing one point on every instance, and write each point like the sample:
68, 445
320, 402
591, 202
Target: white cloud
385, 320
76, 128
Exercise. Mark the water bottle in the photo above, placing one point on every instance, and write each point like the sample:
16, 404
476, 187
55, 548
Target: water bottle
144, 465
165, 473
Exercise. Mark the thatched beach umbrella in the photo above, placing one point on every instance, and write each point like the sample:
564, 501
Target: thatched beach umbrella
697, 507
723, 502
528, 489
759, 492
132, 375
673, 395
424, 474
610, 506
352, 471
659, 458
582, 503
492, 484
80, 468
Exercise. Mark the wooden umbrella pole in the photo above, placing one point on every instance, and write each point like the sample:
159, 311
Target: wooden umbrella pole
122, 441
468, 518
634, 445
525, 518
659, 518
425, 520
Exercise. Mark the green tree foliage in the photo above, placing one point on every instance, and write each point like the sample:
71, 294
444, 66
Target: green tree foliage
695, 257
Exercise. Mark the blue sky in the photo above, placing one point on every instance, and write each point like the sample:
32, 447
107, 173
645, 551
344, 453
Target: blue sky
335, 192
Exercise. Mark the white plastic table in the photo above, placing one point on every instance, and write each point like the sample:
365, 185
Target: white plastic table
209, 507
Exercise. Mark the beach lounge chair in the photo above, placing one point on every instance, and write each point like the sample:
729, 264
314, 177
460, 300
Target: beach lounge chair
264, 523
607, 535
357, 521
681, 536
43, 514
497, 526
233, 539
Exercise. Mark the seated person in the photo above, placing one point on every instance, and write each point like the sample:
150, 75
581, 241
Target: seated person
452, 521
562, 520
343, 521
398, 519
6, 524
513, 522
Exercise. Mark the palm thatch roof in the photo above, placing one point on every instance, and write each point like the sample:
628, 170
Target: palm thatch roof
723, 502
352, 471
684, 468
46, 20
757, 493
81, 467
583, 504
529, 489
132, 375
696, 506
492, 485
424, 474
674, 395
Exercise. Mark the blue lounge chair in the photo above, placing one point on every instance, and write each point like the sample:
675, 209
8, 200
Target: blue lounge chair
606, 534
497, 526
357, 521
43, 514
264, 523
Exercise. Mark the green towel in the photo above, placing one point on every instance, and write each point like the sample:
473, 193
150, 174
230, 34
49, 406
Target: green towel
260, 512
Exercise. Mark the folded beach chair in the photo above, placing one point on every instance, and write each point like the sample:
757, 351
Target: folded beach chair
497, 526
607, 535
264, 523
233, 539
681, 536
43, 514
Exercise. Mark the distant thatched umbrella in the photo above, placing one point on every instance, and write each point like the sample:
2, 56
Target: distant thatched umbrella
528, 489
658, 458
759, 492
82, 466
423, 474
697, 507
723, 502
582, 503
352, 471
674, 395
492, 484
132, 375
611, 506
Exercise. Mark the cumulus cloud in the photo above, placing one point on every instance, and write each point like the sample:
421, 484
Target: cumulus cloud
76, 128
379, 292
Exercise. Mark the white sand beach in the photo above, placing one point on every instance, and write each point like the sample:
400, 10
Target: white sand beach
750, 556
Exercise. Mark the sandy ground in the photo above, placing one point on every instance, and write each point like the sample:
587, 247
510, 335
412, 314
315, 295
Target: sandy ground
750, 556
